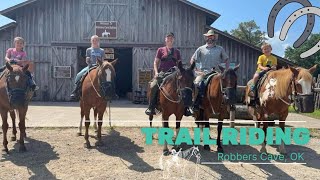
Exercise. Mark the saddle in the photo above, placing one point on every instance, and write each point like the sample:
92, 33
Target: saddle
83, 77
255, 100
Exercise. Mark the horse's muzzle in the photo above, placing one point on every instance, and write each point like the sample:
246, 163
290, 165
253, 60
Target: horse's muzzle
231, 96
186, 94
305, 103
17, 98
108, 90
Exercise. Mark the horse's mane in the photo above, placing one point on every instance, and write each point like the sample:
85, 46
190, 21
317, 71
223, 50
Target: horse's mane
283, 77
305, 74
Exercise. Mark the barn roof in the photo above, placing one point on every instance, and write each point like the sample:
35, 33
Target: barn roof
211, 16
8, 26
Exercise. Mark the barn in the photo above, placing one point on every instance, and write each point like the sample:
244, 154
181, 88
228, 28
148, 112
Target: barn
57, 33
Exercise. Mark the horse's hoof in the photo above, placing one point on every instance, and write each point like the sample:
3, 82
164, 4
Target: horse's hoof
5, 150
87, 145
206, 147
13, 138
220, 150
22, 149
99, 143
79, 134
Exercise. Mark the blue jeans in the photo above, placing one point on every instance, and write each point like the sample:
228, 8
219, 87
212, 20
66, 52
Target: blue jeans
82, 72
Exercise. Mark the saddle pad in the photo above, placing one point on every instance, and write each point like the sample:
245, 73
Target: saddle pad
208, 77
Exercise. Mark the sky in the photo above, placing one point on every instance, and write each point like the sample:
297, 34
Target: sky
235, 11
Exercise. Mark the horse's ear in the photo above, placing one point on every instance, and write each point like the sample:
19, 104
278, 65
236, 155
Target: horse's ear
313, 69
294, 71
180, 66
221, 68
236, 68
193, 65
25, 68
9, 67
114, 62
99, 62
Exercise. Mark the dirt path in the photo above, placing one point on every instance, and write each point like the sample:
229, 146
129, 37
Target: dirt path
58, 153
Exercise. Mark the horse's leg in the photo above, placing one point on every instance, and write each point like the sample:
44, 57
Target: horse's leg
265, 126
14, 127
205, 117
81, 120
87, 124
22, 126
220, 123
95, 114
232, 115
178, 122
100, 112
5, 126
165, 124
282, 118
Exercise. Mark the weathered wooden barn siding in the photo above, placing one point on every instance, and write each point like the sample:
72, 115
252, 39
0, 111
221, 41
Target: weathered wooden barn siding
6, 41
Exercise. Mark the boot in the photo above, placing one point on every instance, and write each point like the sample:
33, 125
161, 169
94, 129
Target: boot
153, 102
75, 93
198, 101
31, 82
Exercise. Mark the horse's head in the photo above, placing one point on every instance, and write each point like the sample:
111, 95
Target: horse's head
17, 85
185, 83
106, 75
229, 83
302, 82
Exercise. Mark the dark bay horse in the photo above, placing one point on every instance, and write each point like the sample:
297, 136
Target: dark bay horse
220, 95
14, 93
175, 93
280, 89
97, 89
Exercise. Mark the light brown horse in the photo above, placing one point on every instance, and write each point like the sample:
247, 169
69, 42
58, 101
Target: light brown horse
14, 96
277, 93
97, 89
175, 93
220, 95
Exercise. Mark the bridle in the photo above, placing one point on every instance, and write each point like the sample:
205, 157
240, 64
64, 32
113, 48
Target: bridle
178, 91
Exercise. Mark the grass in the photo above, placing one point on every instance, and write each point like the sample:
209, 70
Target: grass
315, 114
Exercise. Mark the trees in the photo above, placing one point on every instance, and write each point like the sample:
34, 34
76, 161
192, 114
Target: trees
249, 32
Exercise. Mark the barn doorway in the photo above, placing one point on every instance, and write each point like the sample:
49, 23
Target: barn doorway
123, 68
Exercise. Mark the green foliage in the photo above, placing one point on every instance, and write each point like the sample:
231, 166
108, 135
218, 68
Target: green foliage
249, 32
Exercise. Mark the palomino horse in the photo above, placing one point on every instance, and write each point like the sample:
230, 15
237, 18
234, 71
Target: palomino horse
176, 93
220, 95
278, 91
14, 96
97, 89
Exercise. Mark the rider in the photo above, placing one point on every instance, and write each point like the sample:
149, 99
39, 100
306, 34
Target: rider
93, 54
207, 57
15, 56
166, 58
265, 62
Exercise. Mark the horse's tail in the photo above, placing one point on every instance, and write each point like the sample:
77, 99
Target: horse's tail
161, 162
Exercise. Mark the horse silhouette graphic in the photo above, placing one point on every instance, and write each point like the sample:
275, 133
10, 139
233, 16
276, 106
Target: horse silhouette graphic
180, 160
105, 33
307, 9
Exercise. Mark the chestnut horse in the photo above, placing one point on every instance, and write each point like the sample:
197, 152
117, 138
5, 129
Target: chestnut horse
280, 89
220, 96
175, 93
14, 93
97, 89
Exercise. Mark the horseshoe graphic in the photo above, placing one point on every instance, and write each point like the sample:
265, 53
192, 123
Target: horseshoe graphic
274, 13
292, 18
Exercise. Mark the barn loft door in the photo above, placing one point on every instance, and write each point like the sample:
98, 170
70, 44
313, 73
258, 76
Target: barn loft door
102, 12
63, 56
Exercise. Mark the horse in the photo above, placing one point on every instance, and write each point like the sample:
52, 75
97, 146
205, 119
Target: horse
176, 93
176, 158
220, 96
97, 89
280, 89
15, 95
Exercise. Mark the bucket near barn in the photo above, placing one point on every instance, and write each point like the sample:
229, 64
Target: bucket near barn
305, 103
